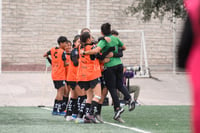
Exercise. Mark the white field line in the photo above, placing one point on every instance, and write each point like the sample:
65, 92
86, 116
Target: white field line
113, 124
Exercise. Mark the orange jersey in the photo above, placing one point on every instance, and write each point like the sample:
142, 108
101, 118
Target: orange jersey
58, 68
72, 69
88, 69
67, 67
72, 72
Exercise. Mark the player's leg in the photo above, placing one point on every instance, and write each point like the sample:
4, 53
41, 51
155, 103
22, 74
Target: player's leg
71, 107
136, 90
110, 78
59, 85
95, 93
81, 101
123, 89
85, 105
104, 92
66, 96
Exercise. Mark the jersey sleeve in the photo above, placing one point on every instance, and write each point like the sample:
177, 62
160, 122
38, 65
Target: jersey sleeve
101, 44
49, 52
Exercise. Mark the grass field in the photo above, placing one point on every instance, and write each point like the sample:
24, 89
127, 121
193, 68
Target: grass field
154, 119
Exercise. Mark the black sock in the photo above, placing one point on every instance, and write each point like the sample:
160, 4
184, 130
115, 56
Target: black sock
69, 107
82, 108
80, 101
65, 99
63, 106
59, 105
55, 106
87, 108
93, 108
99, 109
74, 106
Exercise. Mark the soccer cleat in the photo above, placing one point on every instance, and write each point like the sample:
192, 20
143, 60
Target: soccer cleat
120, 120
74, 116
118, 113
98, 118
54, 113
62, 113
91, 118
137, 103
69, 118
131, 106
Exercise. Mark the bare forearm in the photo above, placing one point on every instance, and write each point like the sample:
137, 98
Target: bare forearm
93, 51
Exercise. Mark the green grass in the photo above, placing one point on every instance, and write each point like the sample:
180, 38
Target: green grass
155, 119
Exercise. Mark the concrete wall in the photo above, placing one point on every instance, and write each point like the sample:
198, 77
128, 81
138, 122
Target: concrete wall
31, 27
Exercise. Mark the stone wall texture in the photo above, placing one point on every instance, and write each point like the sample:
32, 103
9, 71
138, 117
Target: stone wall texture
31, 27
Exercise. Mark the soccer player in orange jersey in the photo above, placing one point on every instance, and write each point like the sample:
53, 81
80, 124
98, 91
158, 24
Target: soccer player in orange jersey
58, 73
77, 94
68, 49
89, 74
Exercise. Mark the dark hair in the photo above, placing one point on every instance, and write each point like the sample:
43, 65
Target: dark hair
84, 36
68, 41
106, 29
62, 39
75, 39
114, 32
85, 29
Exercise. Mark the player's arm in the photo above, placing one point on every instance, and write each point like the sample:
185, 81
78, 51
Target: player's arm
90, 52
64, 59
121, 47
47, 56
119, 53
103, 56
47, 53
74, 57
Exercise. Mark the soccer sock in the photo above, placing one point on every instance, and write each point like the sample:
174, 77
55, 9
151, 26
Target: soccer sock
63, 106
59, 105
82, 108
55, 105
87, 108
80, 101
93, 108
64, 103
74, 106
99, 109
65, 99
69, 108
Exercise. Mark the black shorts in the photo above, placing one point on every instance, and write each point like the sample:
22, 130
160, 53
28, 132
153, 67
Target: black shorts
89, 84
67, 82
72, 84
103, 82
58, 83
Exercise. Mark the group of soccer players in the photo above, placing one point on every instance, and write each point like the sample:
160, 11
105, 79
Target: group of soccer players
86, 69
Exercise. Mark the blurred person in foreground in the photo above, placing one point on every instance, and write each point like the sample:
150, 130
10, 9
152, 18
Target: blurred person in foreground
189, 56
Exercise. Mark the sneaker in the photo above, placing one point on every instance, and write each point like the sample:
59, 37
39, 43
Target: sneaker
98, 118
74, 116
54, 113
137, 103
69, 118
62, 113
131, 106
118, 113
91, 118
120, 120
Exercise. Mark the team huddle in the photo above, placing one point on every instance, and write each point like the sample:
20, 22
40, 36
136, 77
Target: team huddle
88, 69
